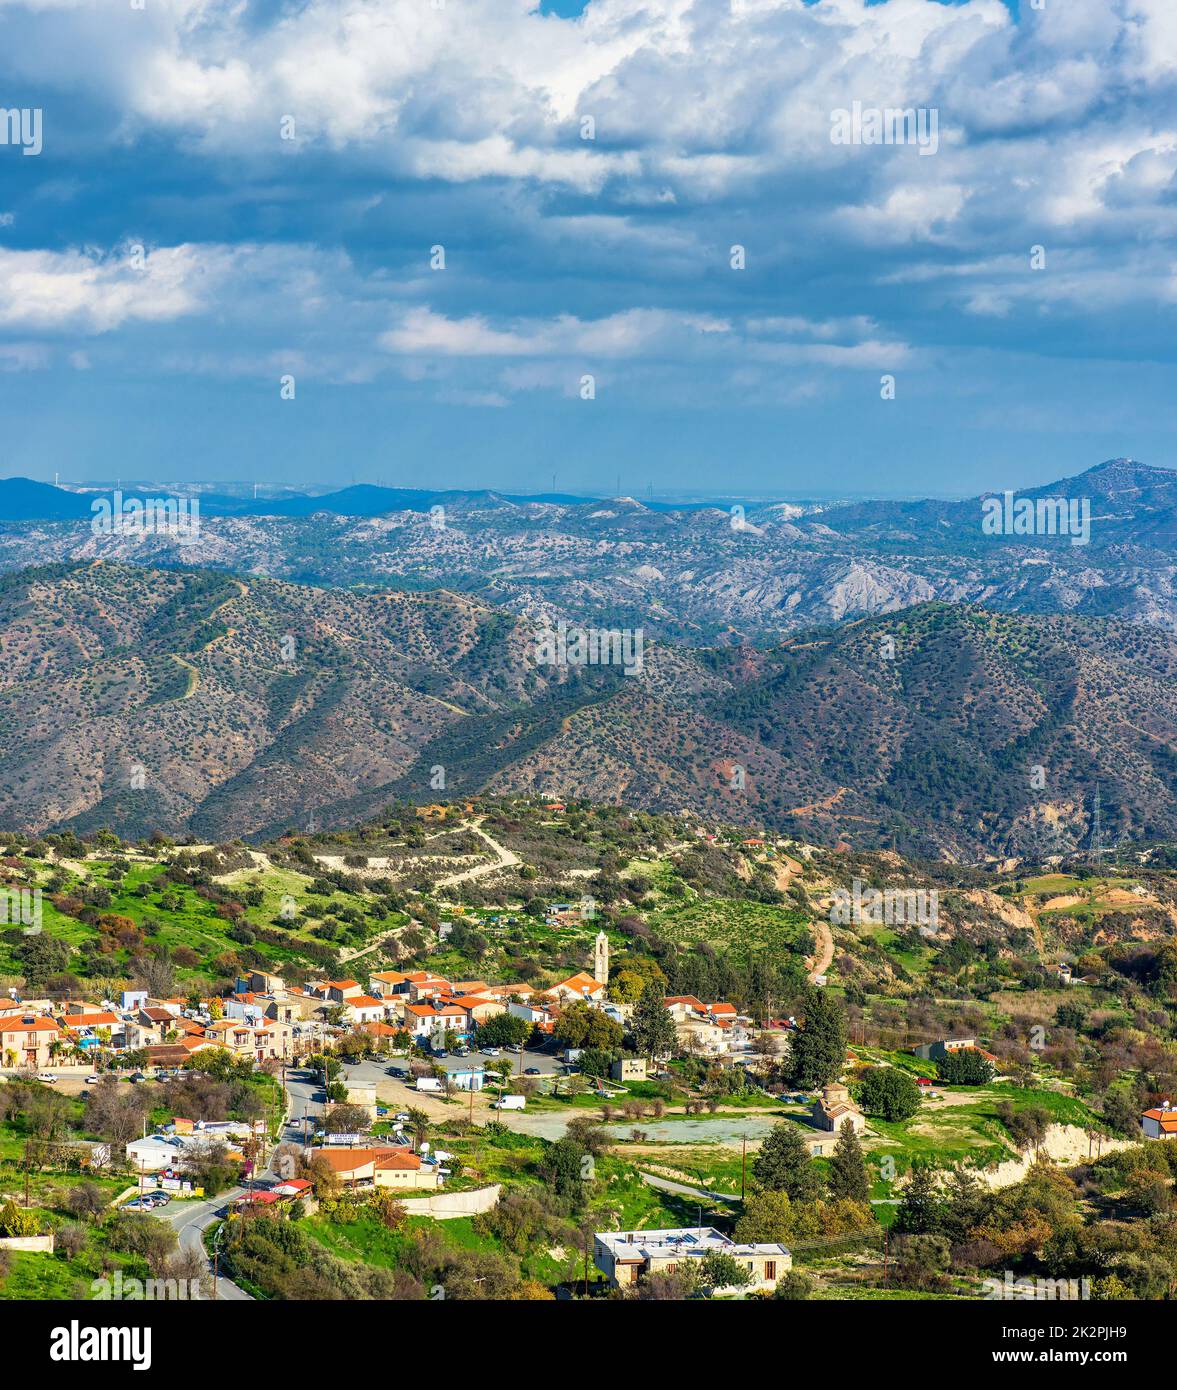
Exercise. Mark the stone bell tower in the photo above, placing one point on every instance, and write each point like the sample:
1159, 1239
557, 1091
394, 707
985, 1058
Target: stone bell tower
601, 959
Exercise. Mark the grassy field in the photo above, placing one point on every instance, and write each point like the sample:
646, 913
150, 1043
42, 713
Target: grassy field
713, 1167
968, 1132
619, 1200
745, 929
176, 916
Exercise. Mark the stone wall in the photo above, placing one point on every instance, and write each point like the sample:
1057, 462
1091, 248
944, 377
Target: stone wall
44, 1243
446, 1206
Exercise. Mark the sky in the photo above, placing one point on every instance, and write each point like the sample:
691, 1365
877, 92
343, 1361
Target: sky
222, 263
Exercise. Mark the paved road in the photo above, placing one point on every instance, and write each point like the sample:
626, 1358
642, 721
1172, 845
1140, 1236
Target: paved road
683, 1189
304, 1089
191, 1220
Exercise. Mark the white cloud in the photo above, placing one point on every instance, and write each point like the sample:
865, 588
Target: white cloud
712, 128
421, 331
91, 293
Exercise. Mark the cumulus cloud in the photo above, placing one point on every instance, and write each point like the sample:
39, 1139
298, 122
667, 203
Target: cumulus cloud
710, 126
425, 332
92, 293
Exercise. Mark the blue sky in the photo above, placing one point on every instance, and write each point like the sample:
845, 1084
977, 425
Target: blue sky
568, 257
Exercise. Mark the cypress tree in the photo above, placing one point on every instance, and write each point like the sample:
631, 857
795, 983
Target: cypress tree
848, 1176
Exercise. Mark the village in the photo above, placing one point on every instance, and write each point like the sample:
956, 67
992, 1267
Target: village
364, 1064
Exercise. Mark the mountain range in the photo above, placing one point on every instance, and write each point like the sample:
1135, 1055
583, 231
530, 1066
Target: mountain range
700, 574
221, 706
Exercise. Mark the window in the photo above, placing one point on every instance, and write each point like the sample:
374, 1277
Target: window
770, 1269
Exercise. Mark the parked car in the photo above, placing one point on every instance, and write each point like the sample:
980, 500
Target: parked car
492, 1051
138, 1076
91, 1081
47, 1077
531, 1071
401, 1116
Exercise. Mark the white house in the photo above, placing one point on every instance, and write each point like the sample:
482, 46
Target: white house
1160, 1122
154, 1152
625, 1256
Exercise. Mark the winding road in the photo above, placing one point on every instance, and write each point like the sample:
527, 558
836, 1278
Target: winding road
504, 859
190, 1221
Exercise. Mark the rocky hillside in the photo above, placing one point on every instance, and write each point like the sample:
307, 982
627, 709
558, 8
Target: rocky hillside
686, 573
177, 700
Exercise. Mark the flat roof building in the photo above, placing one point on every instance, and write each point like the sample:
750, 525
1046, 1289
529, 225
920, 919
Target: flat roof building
624, 1257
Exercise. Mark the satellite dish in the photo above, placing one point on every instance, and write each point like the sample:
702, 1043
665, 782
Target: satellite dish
425, 1147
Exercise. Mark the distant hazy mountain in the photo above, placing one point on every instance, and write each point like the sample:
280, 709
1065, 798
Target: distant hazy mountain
146, 699
701, 575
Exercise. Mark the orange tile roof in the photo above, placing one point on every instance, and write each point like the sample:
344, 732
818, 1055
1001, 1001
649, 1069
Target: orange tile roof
582, 980
347, 1160
400, 1159
34, 1025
